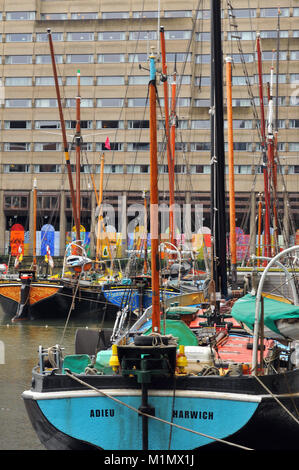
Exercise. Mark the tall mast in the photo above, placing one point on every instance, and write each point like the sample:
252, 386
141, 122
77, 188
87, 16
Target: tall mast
265, 166
232, 211
168, 146
34, 222
78, 148
65, 145
154, 198
218, 222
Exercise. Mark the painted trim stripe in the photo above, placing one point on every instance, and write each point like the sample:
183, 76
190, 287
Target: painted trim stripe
128, 392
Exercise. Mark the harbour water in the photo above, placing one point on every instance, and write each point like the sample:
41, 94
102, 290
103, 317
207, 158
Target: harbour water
18, 355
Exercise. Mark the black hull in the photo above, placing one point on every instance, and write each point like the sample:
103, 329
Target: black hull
89, 303
270, 428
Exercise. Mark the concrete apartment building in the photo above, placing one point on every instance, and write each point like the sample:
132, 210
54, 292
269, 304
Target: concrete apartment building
108, 42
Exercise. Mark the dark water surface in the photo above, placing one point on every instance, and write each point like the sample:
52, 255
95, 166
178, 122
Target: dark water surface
21, 342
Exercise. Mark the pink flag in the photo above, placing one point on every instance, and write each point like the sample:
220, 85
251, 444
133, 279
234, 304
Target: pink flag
107, 144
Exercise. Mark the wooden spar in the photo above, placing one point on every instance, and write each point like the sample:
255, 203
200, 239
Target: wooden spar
232, 210
100, 199
78, 148
34, 222
265, 165
218, 208
170, 154
259, 253
154, 199
145, 234
270, 144
65, 145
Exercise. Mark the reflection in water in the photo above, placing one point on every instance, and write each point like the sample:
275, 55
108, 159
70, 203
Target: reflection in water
21, 341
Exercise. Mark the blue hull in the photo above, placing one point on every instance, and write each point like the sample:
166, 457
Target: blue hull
119, 297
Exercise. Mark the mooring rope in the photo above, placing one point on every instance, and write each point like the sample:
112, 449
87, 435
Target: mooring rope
154, 417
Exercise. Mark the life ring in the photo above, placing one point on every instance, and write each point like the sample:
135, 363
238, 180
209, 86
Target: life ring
3, 268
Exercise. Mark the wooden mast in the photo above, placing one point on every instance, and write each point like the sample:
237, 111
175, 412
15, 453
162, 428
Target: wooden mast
65, 145
232, 211
154, 199
78, 149
34, 222
170, 152
218, 219
265, 165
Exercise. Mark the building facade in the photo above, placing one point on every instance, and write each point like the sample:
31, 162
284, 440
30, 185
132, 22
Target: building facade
109, 43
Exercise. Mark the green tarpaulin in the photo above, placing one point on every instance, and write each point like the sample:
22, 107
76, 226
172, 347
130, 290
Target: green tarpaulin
244, 311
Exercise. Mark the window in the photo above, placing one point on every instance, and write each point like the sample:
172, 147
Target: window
294, 123
138, 169
53, 16
138, 79
202, 103
110, 102
112, 36
47, 168
138, 125
46, 103
243, 35
237, 58
296, 11
45, 81
84, 103
16, 146
179, 57
19, 37
180, 168
79, 58
270, 12
110, 58
80, 36
138, 58
110, 124
47, 125
138, 146
145, 14
273, 34
293, 146
111, 80
115, 15
17, 124
84, 16
202, 81
205, 36
282, 78
204, 14
294, 55
142, 35
200, 124
178, 14
196, 169
202, 58
17, 168
136, 102
18, 103
18, 59
110, 168
87, 146
116, 146
243, 102
15, 202
18, 81
269, 55
243, 12
83, 124
20, 15
83, 80
240, 146
43, 37
241, 80
46, 59
200, 146
177, 34
241, 124
47, 146
294, 100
